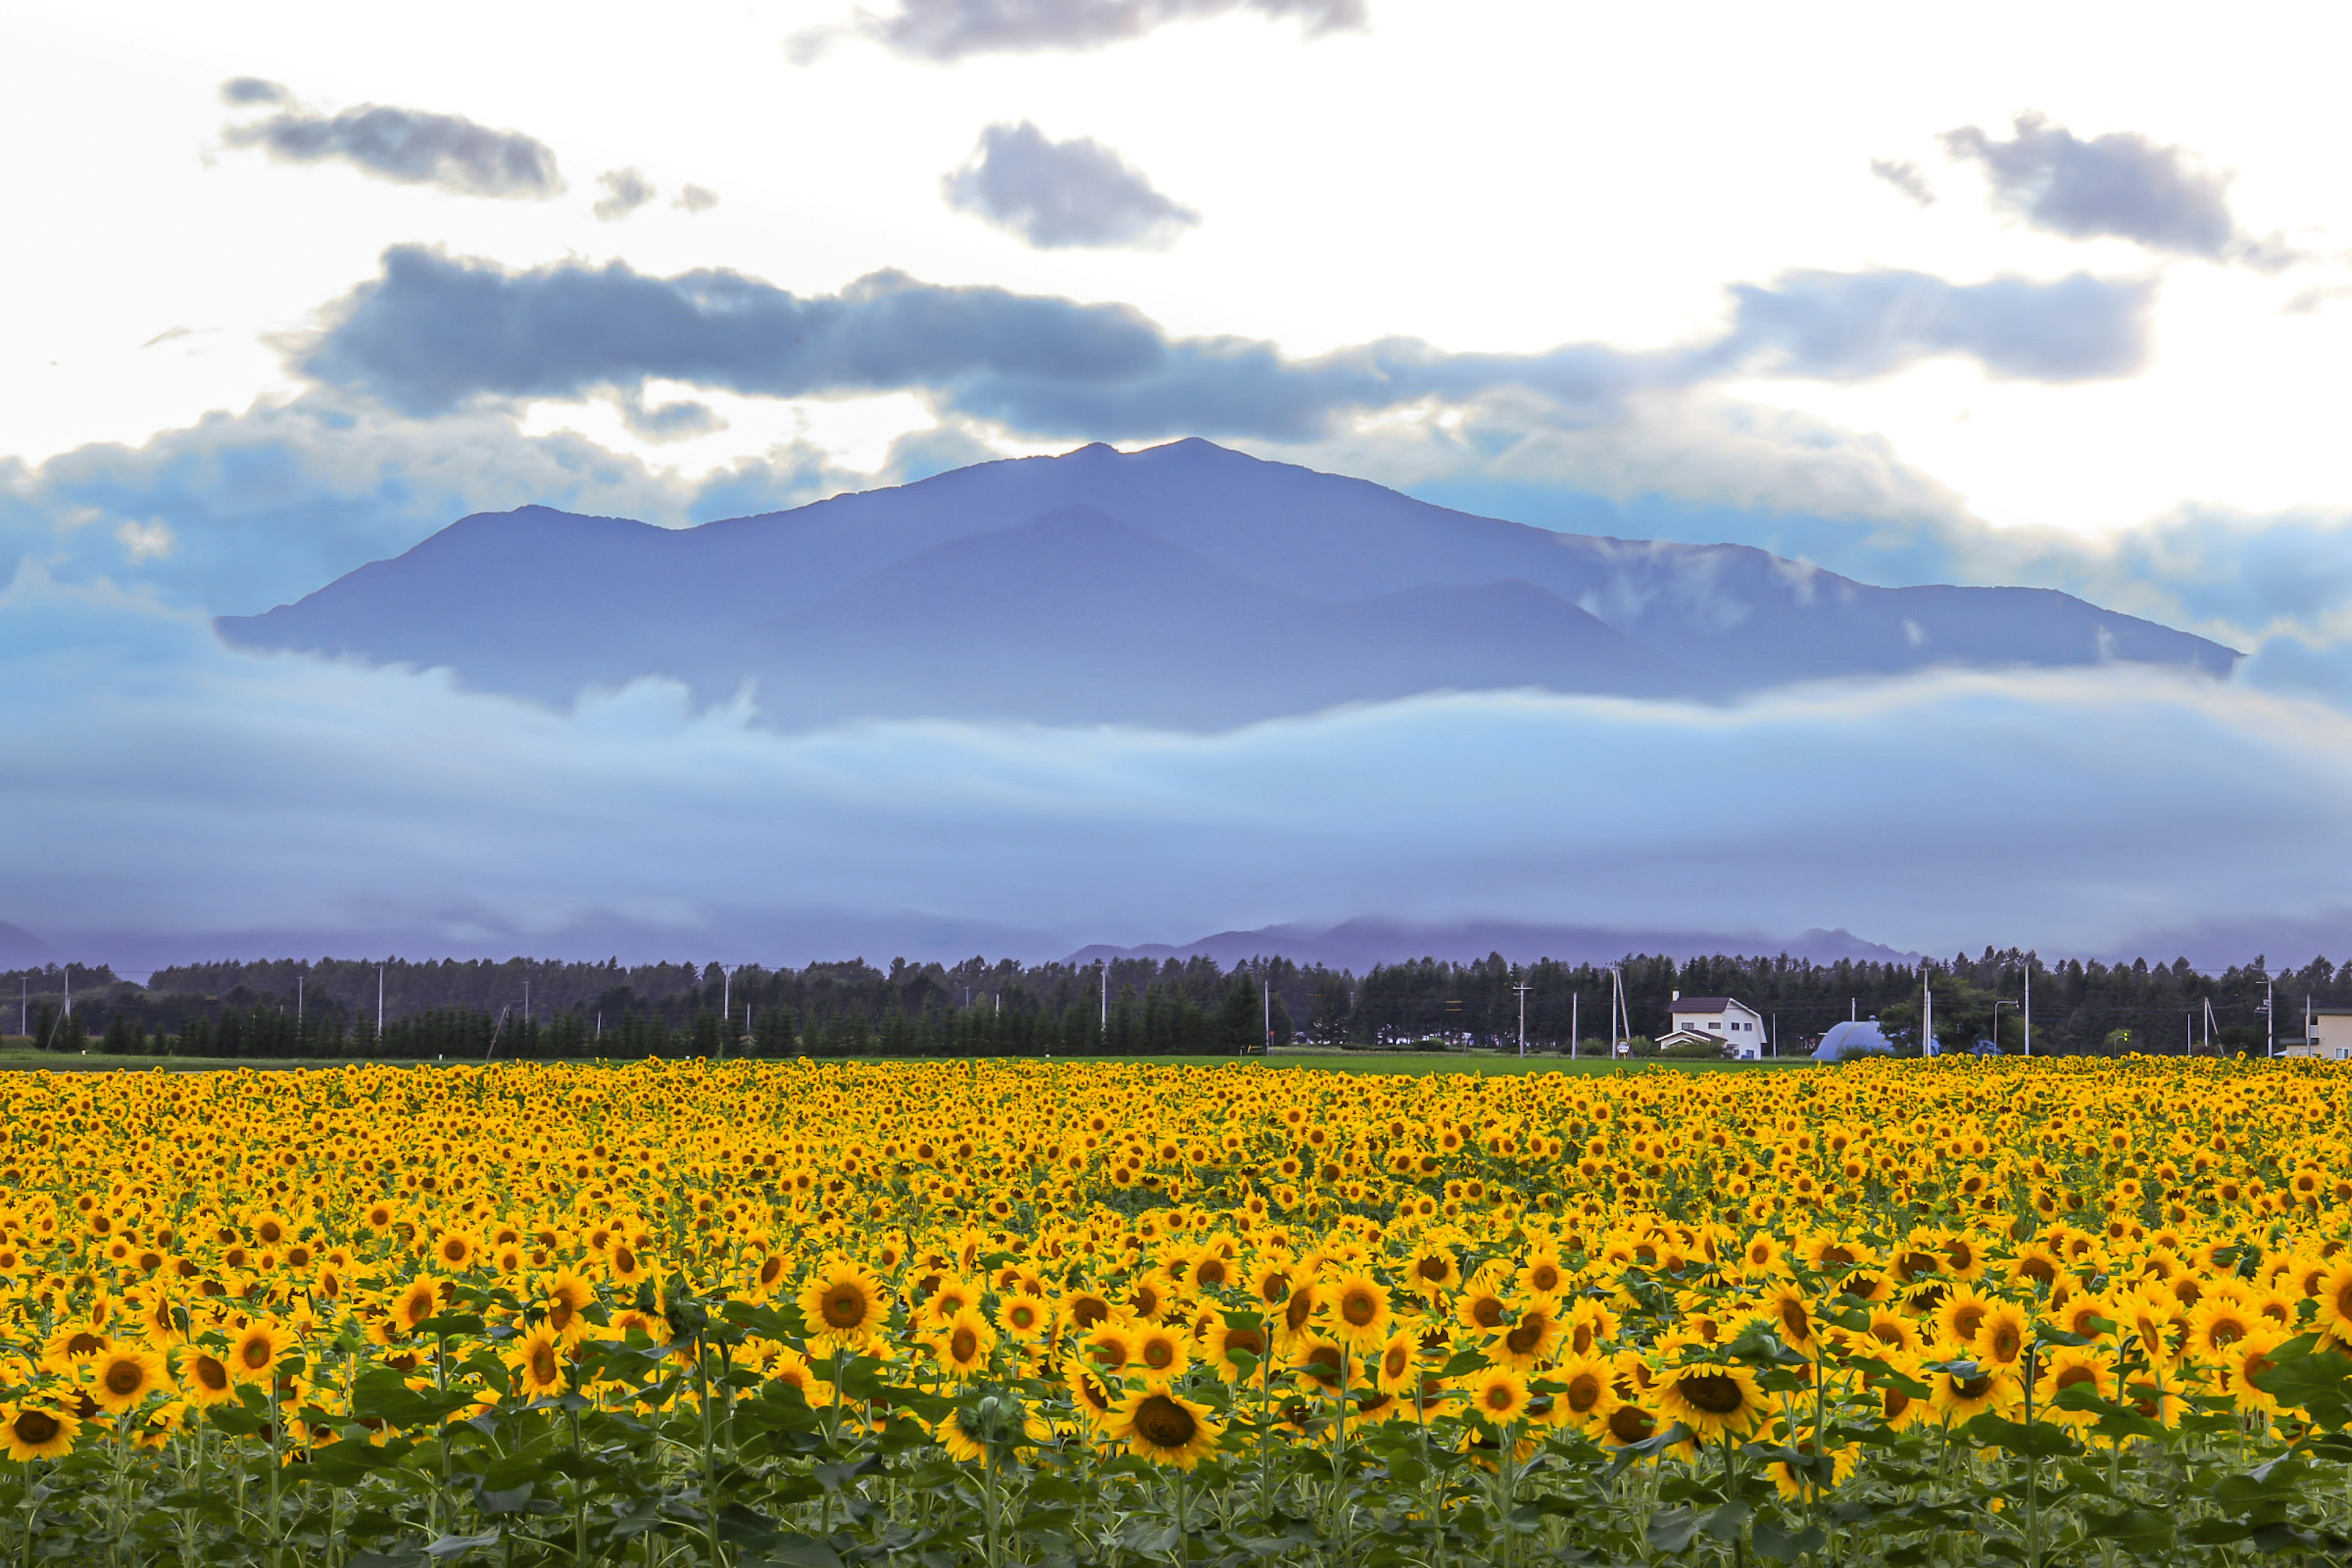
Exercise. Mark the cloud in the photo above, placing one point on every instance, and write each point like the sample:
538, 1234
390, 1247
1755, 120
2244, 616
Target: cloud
1904, 177
320, 798
626, 190
242, 90
946, 30
1850, 326
434, 332
2120, 185
1056, 195
696, 199
408, 145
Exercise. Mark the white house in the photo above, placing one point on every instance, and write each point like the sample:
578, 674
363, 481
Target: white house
1739, 1027
2330, 1039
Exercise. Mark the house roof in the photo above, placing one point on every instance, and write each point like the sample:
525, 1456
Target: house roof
1710, 1004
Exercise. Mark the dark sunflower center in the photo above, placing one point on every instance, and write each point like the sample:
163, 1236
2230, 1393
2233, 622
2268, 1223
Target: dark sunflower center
1526, 1336
1486, 1312
1630, 1424
1164, 1423
1394, 1364
1433, 1269
85, 1343
211, 1373
1971, 1387
1248, 1340
1158, 1354
964, 1345
1713, 1393
123, 1379
845, 1306
35, 1427
1584, 1392
2074, 1375
255, 1353
1359, 1308
542, 1363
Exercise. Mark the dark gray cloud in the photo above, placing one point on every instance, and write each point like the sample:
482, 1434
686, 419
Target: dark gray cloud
408, 145
626, 190
1056, 195
1904, 177
1849, 326
248, 90
2120, 186
695, 199
435, 331
951, 29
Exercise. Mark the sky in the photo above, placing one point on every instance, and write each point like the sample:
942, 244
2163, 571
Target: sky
1881, 290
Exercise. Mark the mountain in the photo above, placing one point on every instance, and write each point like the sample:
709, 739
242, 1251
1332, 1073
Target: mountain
1357, 944
20, 949
1185, 587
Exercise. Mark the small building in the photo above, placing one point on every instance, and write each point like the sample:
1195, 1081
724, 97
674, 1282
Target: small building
1673, 1037
1858, 1038
2330, 1039
1739, 1027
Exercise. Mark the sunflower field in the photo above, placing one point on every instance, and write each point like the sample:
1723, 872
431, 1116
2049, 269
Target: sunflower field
1042, 1313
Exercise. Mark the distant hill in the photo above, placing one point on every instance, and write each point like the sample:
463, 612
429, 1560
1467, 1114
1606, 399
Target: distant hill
1183, 587
1359, 945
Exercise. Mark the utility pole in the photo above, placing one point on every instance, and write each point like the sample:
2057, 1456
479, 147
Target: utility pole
1266, 987
1574, 1023
1776, 1037
2029, 1004
69, 973
378, 1006
1927, 1012
2270, 1018
526, 1002
1616, 1007
1522, 989
1106, 998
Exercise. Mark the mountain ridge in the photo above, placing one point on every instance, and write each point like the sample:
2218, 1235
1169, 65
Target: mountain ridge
1262, 580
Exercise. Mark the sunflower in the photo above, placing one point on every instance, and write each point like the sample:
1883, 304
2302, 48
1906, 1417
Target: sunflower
1586, 1396
789, 1366
73, 1346
842, 1303
768, 1275
416, 1302
1164, 1427
1712, 1399
1398, 1368
1431, 1270
2244, 1362
28, 1432
1160, 1352
537, 1360
1533, 1340
1225, 1341
1763, 1257
122, 1378
2333, 1293
626, 1265
2001, 1336
255, 1352
1543, 1274
1082, 1310
1322, 1364
963, 1343
1024, 1317
566, 1294
1794, 1487
1091, 1396
205, 1377
1355, 1311
1958, 1394
1497, 1396
1957, 1318
1481, 1306
1791, 1316
1591, 1326
2070, 1366
455, 1250
1110, 1349
2216, 1323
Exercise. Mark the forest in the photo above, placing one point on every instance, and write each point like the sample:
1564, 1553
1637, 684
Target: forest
524, 1008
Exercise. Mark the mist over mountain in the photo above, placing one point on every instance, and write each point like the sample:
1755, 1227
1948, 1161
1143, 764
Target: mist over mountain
1185, 587
1357, 945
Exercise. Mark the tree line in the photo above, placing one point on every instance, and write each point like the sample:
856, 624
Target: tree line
547, 1009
